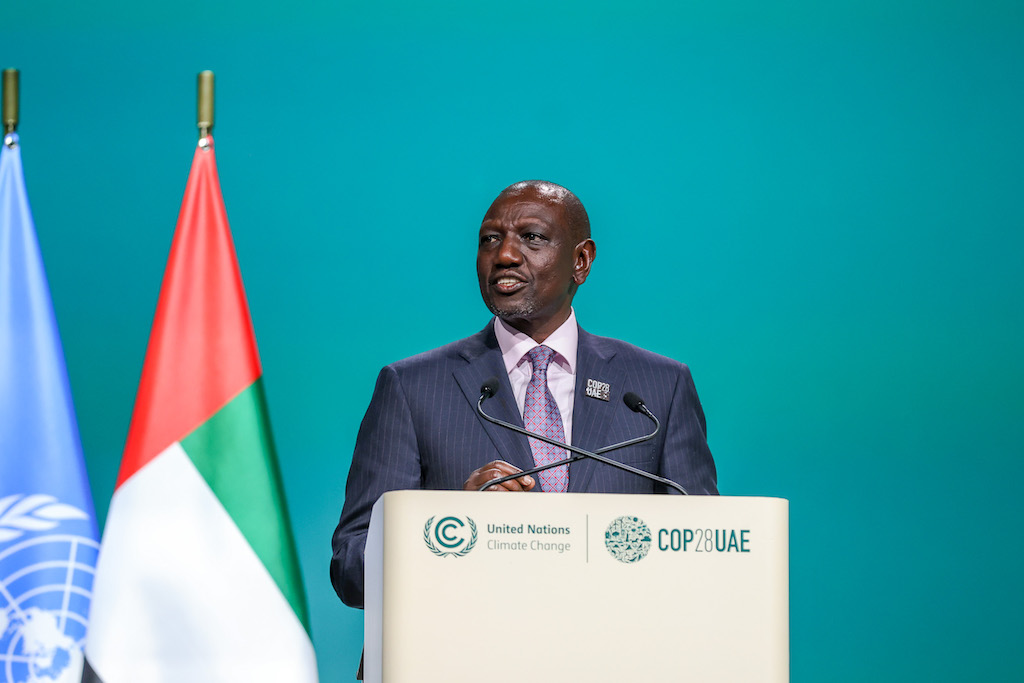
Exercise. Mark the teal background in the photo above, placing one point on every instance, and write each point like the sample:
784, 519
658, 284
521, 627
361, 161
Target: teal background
817, 206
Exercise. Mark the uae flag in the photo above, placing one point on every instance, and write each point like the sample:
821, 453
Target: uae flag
198, 578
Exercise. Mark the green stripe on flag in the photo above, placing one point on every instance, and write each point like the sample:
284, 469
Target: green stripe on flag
234, 452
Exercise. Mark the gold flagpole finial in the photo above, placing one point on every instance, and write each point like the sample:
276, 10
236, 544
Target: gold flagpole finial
10, 105
204, 117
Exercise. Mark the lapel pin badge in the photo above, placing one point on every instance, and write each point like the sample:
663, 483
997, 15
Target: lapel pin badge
599, 390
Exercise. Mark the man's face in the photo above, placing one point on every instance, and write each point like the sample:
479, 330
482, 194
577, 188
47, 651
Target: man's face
528, 263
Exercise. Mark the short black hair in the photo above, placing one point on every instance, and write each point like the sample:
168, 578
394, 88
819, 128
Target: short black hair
579, 221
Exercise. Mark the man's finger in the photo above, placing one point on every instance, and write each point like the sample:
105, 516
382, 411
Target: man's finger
495, 470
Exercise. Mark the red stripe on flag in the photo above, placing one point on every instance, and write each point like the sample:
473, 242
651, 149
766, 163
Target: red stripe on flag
202, 350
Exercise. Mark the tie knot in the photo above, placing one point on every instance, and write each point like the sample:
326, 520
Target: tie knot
540, 357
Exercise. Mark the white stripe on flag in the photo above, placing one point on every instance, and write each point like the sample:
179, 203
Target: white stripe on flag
181, 596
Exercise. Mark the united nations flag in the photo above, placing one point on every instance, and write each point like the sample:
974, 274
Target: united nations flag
48, 534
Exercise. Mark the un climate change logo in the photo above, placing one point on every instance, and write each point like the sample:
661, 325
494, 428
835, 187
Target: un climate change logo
628, 539
450, 536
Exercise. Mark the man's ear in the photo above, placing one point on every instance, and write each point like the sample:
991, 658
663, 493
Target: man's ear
586, 252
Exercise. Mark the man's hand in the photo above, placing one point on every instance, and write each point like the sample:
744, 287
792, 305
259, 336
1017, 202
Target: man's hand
495, 469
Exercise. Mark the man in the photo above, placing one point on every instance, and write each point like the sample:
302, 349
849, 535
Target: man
422, 430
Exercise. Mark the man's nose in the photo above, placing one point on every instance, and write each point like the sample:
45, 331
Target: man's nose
509, 254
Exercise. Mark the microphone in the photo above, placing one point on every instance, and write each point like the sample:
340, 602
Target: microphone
490, 387
633, 402
636, 404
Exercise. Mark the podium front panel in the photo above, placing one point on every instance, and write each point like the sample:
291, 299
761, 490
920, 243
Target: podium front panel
472, 587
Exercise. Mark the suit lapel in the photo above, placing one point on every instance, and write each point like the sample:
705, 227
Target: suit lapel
591, 417
483, 362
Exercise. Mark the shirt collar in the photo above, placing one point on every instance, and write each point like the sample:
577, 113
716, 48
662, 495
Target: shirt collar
515, 344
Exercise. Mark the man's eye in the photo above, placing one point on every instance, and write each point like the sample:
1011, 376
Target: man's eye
533, 237
487, 239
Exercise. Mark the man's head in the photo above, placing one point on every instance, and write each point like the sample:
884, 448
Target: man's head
534, 252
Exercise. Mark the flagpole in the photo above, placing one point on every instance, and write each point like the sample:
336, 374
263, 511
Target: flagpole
10, 104
204, 109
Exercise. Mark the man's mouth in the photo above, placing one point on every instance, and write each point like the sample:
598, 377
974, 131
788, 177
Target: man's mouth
507, 285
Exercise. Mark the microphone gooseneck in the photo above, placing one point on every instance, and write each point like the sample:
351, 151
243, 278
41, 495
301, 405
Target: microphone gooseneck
490, 387
636, 404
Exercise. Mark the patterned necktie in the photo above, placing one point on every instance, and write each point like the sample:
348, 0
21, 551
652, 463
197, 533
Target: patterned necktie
541, 416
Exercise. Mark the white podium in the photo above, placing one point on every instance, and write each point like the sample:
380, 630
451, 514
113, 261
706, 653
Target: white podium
576, 587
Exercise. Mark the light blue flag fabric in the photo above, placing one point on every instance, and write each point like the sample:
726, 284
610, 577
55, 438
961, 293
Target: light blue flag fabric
48, 532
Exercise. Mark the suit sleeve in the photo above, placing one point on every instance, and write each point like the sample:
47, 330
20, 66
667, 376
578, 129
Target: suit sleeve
686, 457
386, 458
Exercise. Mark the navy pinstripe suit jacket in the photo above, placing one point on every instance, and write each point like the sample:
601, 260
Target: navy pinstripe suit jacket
422, 431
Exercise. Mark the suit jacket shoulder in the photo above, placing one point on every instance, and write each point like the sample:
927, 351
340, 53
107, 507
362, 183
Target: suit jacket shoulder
455, 353
609, 346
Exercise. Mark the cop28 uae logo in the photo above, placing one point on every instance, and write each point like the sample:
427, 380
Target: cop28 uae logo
450, 536
628, 539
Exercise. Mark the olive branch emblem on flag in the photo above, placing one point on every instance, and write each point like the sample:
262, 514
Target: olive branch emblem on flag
38, 512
